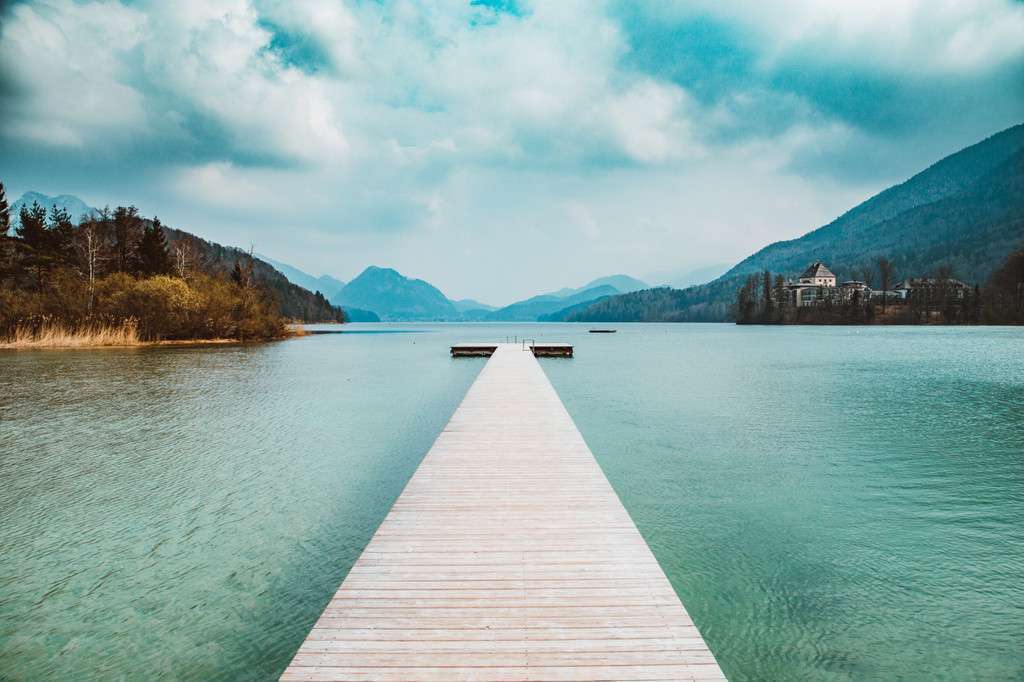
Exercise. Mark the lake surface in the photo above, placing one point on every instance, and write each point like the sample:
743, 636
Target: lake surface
830, 503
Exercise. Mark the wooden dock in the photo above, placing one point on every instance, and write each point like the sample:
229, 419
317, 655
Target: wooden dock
508, 556
539, 349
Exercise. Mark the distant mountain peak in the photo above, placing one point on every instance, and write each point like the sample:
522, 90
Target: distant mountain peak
393, 296
624, 283
75, 207
381, 271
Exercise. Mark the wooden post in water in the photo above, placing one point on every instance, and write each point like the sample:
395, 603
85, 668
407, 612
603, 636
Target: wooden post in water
508, 556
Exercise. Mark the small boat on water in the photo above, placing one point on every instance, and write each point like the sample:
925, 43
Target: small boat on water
602, 331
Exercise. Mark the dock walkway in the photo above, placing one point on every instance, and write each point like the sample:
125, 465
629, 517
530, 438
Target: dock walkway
508, 556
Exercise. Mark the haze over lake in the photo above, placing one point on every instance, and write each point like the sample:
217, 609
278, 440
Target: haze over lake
829, 502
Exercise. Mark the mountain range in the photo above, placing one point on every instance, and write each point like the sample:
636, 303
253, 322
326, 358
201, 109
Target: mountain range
965, 212
325, 284
623, 284
388, 294
393, 296
376, 293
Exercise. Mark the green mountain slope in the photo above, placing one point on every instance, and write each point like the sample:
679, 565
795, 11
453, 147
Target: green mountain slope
863, 230
293, 301
358, 315
964, 211
567, 312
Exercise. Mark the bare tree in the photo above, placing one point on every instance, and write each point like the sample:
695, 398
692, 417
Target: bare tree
91, 243
184, 254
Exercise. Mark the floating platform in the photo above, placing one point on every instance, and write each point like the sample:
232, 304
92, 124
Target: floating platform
508, 556
540, 350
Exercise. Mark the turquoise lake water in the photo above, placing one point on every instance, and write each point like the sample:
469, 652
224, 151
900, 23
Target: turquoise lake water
830, 503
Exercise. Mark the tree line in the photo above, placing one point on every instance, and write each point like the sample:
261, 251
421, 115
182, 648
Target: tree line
114, 267
764, 299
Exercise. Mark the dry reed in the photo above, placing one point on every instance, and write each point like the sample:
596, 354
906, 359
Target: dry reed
59, 335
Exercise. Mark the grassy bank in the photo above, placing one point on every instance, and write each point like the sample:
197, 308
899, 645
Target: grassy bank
58, 335
124, 335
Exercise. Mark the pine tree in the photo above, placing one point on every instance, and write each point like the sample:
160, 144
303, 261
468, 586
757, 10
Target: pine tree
782, 301
34, 240
32, 229
767, 295
5, 213
241, 274
746, 300
152, 257
60, 235
8, 260
127, 231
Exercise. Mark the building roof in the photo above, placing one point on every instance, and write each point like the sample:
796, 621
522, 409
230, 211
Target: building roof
817, 269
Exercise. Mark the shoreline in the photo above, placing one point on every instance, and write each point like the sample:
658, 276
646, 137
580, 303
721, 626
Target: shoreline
83, 342
85, 345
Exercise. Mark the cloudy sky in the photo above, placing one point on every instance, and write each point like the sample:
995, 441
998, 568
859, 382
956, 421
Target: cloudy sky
497, 148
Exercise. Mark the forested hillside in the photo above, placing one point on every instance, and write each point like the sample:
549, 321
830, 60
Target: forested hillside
116, 275
293, 301
964, 214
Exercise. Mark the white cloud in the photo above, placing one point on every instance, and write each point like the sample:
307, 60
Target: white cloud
934, 37
70, 60
97, 73
432, 83
212, 56
221, 185
652, 123
331, 24
434, 129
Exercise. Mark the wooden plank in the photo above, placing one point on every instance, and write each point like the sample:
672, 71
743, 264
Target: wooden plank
540, 636
516, 644
508, 556
708, 671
